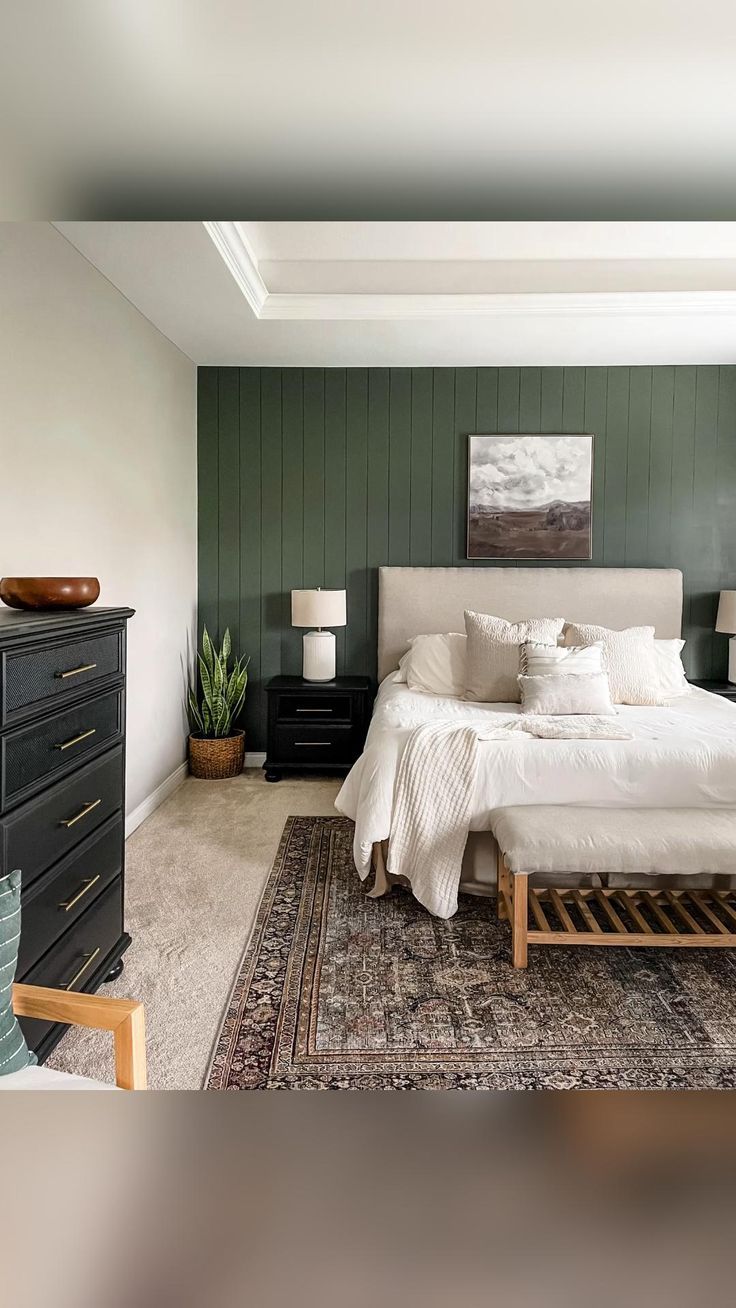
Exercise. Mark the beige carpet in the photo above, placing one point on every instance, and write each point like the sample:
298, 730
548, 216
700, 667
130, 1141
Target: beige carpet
195, 873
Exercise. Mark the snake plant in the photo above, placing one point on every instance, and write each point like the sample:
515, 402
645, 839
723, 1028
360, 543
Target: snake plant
223, 689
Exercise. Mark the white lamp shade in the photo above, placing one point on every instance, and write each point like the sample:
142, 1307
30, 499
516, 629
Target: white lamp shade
726, 620
318, 608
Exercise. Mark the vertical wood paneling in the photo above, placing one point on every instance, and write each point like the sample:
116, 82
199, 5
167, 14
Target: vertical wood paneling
208, 499
317, 477
465, 381
272, 521
250, 547
420, 528
637, 466
228, 570
335, 490
442, 488
356, 638
399, 465
378, 496
313, 541
292, 509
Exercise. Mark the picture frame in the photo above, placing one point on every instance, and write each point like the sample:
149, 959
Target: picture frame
530, 497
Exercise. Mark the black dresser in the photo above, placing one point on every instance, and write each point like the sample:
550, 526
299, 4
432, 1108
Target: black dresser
62, 796
316, 725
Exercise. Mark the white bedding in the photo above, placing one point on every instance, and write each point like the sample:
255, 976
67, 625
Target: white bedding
681, 754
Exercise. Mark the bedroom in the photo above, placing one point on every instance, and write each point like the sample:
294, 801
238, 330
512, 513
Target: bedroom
368, 514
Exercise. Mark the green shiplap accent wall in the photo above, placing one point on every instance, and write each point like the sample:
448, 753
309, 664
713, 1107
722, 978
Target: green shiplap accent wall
315, 477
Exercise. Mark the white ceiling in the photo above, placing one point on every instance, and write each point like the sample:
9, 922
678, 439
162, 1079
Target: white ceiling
427, 293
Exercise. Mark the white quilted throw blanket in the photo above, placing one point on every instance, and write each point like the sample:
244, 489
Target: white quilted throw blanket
434, 792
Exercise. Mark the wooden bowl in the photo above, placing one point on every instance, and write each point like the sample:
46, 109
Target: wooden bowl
49, 592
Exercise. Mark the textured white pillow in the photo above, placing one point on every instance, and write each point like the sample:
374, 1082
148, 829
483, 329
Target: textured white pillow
566, 693
537, 660
672, 678
435, 664
492, 664
629, 659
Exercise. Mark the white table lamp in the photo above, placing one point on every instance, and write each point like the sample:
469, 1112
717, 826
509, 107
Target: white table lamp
726, 621
318, 608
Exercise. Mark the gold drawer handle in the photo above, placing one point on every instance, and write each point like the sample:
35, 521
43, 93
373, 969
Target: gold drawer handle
74, 672
320, 710
308, 743
68, 743
87, 886
89, 959
69, 822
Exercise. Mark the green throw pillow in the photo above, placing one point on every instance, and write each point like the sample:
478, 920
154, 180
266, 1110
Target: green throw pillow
14, 1053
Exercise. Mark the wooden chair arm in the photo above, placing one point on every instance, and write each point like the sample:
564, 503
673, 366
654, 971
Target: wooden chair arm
124, 1017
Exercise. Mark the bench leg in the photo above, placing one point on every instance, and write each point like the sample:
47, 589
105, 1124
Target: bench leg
503, 885
519, 925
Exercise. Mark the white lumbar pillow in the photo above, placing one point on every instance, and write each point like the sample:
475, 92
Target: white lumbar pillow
672, 678
629, 657
492, 666
563, 693
435, 664
537, 660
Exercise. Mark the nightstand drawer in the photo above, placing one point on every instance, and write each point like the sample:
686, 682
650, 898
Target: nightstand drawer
308, 708
329, 744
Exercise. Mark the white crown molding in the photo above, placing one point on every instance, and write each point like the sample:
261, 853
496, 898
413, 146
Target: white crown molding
239, 257
620, 304
233, 247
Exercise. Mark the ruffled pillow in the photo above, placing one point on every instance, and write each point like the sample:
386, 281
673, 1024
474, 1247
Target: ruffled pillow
492, 663
629, 657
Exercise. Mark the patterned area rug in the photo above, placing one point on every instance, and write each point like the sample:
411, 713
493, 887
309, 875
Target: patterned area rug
337, 991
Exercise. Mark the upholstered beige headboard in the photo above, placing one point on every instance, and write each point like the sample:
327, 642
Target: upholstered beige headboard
417, 601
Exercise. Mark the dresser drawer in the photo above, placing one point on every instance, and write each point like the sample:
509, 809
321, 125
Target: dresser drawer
306, 708
78, 956
46, 828
33, 756
58, 899
52, 673
313, 746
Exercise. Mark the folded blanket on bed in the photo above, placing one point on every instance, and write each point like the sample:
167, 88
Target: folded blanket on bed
434, 793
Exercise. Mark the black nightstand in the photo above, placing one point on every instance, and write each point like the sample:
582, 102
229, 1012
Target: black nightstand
316, 725
725, 688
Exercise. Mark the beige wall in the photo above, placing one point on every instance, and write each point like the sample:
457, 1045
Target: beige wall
98, 467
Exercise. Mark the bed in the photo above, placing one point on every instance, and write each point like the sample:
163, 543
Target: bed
680, 754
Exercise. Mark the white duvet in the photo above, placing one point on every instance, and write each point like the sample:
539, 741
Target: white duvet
680, 755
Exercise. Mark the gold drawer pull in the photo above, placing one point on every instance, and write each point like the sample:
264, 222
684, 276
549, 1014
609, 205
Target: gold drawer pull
321, 710
87, 886
74, 672
69, 822
89, 959
68, 743
308, 743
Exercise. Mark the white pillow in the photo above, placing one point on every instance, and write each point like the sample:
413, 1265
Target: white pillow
566, 693
537, 660
672, 678
629, 659
492, 665
435, 664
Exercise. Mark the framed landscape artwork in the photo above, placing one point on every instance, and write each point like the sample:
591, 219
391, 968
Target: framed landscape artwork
529, 497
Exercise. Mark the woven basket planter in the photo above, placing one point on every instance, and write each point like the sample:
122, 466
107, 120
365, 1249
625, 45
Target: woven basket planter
219, 758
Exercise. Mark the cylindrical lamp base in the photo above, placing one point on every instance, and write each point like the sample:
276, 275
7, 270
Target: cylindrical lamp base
319, 656
732, 659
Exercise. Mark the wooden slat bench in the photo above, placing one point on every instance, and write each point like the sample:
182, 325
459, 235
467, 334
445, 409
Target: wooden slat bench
553, 839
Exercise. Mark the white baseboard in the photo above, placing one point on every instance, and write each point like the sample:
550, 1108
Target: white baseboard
254, 760
152, 801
